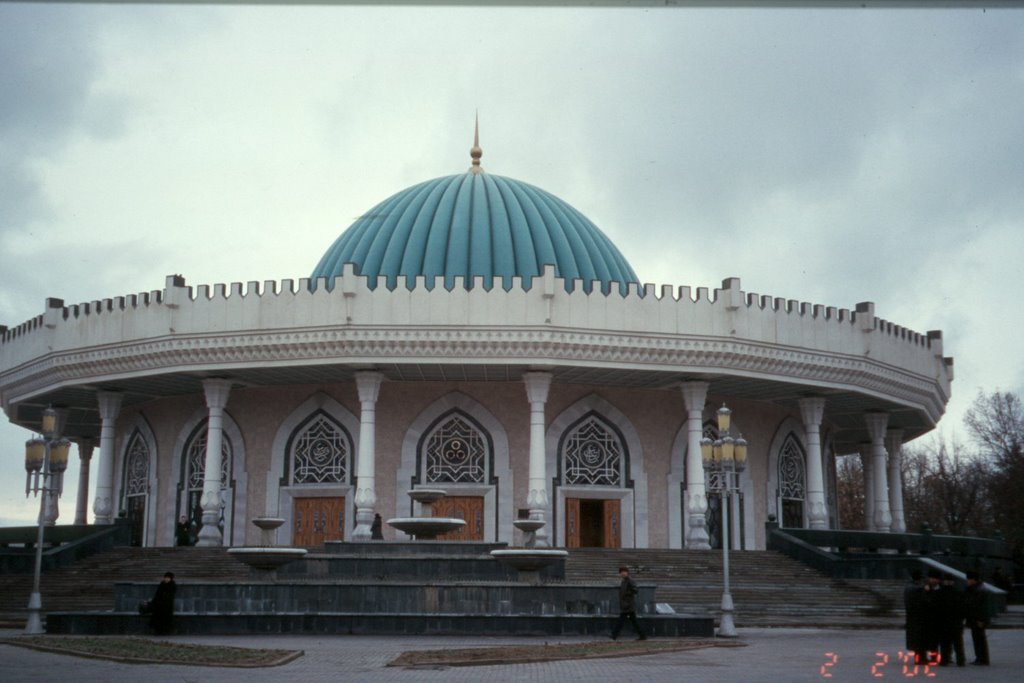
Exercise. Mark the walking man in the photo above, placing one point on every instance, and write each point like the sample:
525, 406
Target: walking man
627, 606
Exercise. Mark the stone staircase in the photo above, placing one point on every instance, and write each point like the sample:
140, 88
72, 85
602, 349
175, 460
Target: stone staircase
89, 583
768, 588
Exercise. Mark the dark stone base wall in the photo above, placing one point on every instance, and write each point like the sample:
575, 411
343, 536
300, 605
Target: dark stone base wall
419, 567
395, 598
114, 623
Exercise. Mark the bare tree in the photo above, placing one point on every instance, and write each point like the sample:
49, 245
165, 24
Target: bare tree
996, 424
850, 492
944, 488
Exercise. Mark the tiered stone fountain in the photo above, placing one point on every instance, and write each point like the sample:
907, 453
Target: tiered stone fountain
529, 561
266, 557
426, 527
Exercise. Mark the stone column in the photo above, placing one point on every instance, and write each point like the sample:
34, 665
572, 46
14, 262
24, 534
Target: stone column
538, 384
869, 486
85, 447
217, 392
877, 423
894, 443
103, 505
812, 410
694, 395
368, 384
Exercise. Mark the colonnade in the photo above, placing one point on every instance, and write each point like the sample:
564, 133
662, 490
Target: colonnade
880, 457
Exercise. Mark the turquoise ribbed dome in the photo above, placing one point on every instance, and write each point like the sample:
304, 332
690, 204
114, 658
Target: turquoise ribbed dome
476, 224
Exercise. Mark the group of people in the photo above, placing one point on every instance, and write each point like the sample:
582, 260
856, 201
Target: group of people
937, 610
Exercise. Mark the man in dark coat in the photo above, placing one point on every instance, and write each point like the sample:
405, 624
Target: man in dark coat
915, 604
949, 607
976, 614
183, 532
162, 605
377, 528
932, 633
627, 606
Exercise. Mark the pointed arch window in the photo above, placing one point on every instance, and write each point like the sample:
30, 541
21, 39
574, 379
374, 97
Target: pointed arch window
592, 454
136, 467
456, 452
792, 482
135, 486
320, 451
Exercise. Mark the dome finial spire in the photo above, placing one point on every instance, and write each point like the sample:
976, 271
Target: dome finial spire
475, 152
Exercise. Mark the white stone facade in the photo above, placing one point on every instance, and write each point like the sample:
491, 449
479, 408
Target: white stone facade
281, 352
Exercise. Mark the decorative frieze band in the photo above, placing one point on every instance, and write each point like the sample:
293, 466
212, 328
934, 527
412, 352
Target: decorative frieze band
673, 353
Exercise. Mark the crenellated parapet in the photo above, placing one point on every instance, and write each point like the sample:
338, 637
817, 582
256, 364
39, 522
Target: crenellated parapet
540, 322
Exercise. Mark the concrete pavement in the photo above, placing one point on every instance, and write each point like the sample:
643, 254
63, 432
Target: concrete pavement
777, 655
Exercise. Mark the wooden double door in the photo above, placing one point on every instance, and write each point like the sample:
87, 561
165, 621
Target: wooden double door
319, 519
593, 523
469, 508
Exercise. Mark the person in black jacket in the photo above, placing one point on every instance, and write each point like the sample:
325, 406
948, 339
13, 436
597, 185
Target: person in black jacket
627, 606
976, 614
915, 604
183, 532
950, 611
161, 607
932, 632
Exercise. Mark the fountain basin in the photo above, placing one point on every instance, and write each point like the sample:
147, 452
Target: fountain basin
266, 559
267, 526
427, 496
426, 528
528, 559
529, 527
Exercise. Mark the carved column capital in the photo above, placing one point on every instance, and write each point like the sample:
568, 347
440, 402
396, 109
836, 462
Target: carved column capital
368, 385
894, 442
217, 392
694, 395
812, 410
876, 423
109, 403
538, 385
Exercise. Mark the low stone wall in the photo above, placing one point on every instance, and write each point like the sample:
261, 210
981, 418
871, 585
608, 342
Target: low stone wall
376, 598
115, 623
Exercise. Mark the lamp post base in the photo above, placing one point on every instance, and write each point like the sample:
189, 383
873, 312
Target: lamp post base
34, 626
726, 628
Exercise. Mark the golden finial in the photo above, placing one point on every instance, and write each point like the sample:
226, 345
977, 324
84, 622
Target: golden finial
475, 152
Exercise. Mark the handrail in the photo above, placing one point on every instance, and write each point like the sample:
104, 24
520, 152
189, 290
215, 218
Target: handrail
66, 544
803, 546
925, 543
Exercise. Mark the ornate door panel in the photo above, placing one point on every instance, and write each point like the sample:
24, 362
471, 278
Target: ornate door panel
136, 509
469, 508
612, 524
572, 522
317, 520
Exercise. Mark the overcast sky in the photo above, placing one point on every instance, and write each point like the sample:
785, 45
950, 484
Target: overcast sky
831, 156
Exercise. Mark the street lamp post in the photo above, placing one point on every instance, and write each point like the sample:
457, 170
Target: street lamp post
724, 459
46, 459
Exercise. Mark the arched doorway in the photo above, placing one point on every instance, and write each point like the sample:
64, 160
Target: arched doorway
459, 446
792, 483
135, 488
598, 483
309, 483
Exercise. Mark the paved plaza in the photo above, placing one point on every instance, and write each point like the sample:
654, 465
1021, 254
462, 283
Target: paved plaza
776, 655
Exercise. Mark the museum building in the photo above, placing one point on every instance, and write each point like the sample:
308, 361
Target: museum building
477, 334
